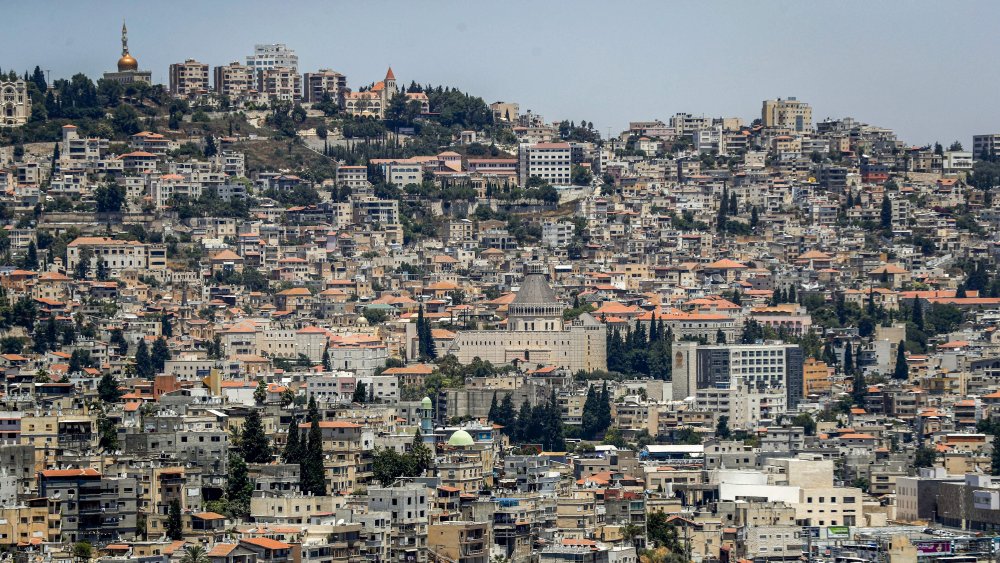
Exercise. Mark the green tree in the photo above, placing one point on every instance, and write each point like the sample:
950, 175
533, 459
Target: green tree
144, 367
83, 551
421, 457
886, 214
901, 370
108, 432
313, 473
255, 445
107, 389
239, 488
125, 120
260, 393
924, 457
293, 448
109, 198
722, 427
175, 529
194, 554
806, 422
160, 354
995, 457
360, 393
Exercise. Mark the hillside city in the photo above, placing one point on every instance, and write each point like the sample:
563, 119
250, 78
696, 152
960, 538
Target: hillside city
257, 315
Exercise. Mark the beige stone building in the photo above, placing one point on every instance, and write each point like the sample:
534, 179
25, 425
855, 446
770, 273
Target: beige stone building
15, 104
787, 114
234, 80
188, 78
536, 334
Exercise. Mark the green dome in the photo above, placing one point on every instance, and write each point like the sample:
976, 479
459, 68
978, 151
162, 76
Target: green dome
461, 438
426, 403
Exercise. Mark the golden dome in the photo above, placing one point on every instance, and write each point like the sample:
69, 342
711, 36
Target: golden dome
127, 62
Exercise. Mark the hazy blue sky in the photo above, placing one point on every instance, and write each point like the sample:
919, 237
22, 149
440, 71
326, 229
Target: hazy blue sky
927, 69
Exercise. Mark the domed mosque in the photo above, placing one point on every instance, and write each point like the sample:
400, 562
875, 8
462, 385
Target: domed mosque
128, 68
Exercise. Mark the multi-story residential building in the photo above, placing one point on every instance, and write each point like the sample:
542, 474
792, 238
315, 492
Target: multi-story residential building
273, 55
787, 114
234, 80
957, 161
280, 83
189, 78
324, 82
557, 234
551, 162
985, 146
407, 506
76, 151
460, 541
505, 111
117, 255
95, 509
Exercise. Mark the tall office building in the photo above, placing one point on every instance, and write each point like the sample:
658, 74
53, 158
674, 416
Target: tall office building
760, 367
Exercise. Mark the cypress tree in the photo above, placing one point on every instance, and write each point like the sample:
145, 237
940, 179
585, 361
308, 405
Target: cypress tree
523, 424
995, 458
292, 452
492, 415
313, 473
239, 488
848, 359
590, 415
918, 314
175, 529
553, 427
143, 363
901, 371
255, 446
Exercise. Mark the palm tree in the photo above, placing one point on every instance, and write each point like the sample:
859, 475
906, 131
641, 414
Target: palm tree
194, 554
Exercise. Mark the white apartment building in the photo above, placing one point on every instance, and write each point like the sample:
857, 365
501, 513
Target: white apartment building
76, 150
551, 162
272, 55
957, 161
557, 234
118, 255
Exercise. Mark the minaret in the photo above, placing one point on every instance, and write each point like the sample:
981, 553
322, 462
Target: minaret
124, 39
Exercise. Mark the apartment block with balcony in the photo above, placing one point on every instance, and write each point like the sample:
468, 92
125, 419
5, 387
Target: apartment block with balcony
459, 542
189, 78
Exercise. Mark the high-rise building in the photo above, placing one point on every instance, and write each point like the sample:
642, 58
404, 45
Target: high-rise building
128, 67
759, 367
273, 55
233, 80
985, 145
188, 78
323, 81
15, 104
552, 162
787, 114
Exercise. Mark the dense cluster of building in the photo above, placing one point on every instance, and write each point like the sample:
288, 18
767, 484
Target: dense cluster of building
718, 341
